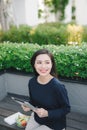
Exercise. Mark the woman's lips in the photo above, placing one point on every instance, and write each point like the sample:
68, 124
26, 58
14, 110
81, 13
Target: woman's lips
43, 71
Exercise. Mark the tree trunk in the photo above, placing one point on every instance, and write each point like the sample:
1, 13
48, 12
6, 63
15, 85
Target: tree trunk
3, 20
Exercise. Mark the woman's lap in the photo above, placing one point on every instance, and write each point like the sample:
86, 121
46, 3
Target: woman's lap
33, 125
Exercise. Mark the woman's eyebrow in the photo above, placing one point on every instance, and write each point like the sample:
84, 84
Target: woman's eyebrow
43, 60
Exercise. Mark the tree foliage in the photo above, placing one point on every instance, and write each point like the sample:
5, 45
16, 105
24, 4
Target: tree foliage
58, 5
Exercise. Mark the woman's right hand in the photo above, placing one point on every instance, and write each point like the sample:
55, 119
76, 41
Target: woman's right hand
25, 108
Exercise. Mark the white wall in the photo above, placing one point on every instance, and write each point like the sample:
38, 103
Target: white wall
26, 12
68, 12
31, 7
19, 12
81, 10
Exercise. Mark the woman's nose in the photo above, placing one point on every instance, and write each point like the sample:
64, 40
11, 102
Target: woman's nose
43, 65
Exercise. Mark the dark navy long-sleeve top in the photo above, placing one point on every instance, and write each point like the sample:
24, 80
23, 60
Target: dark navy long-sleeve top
52, 97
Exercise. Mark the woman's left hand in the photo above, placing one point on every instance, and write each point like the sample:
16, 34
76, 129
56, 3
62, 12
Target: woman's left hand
41, 112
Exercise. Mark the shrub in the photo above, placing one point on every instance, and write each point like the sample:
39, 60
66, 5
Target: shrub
17, 34
48, 34
75, 33
71, 61
84, 36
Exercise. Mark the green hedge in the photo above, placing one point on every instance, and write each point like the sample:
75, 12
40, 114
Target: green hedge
71, 61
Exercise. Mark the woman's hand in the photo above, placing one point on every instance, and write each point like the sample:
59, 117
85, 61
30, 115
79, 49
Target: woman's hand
41, 112
25, 108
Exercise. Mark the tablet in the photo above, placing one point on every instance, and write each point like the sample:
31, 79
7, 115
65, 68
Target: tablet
25, 103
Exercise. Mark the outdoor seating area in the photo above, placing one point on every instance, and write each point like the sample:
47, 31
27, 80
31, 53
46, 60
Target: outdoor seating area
75, 121
47, 40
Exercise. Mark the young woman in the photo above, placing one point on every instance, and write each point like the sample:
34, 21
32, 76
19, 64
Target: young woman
47, 94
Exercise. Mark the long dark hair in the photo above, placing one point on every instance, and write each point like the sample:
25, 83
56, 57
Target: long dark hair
44, 51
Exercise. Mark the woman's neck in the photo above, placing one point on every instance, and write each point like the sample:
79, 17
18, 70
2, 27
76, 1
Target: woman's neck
44, 79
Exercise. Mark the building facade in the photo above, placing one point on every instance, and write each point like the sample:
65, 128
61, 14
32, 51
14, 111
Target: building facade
26, 12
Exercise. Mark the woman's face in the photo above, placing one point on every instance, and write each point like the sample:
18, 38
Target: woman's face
43, 64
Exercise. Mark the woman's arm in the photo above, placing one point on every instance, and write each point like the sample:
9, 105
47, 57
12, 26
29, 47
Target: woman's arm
62, 96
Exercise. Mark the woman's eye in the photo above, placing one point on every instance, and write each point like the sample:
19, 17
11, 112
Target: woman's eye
47, 62
39, 62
